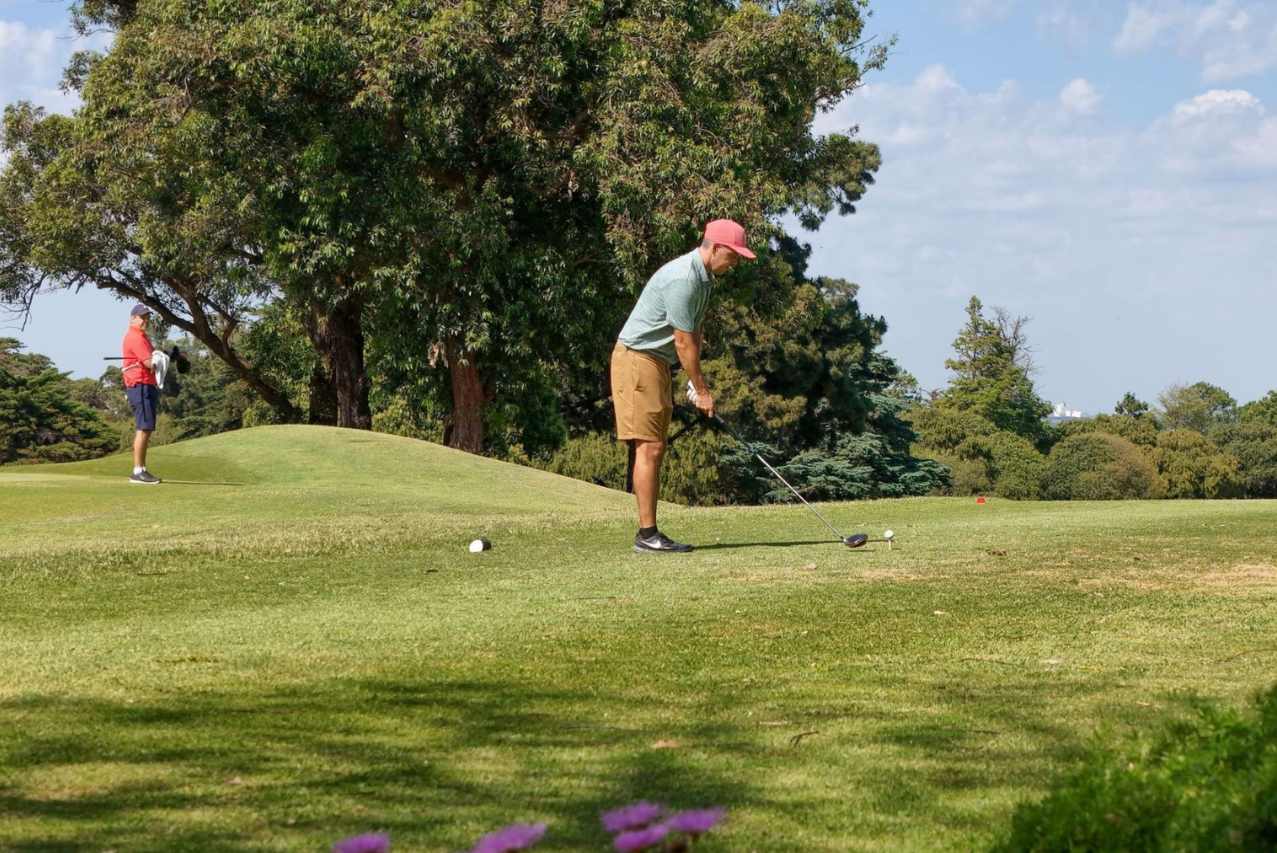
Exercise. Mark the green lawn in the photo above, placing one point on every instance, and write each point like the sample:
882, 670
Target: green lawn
288, 642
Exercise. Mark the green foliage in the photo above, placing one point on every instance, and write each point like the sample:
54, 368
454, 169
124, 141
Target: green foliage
1192, 466
1206, 783
207, 400
1017, 468
1099, 466
700, 468
1131, 406
1253, 443
1196, 407
595, 458
1263, 410
860, 466
991, 376
40, 419
976, 452
480, 187
1140, 431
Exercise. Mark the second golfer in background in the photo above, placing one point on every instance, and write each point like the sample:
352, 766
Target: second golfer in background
664, 329
141, 389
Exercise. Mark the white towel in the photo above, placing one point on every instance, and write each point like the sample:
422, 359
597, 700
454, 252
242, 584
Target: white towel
159, 366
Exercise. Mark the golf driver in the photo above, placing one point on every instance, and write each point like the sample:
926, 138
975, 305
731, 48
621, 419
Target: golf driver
855, 540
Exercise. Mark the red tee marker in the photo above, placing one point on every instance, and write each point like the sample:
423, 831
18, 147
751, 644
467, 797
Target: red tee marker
979, 500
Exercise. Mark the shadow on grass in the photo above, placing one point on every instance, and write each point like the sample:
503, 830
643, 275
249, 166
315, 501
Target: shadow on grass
723, 545
435, 764
438, 763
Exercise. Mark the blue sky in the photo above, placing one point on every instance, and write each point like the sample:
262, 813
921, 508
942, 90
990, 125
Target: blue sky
1108, 169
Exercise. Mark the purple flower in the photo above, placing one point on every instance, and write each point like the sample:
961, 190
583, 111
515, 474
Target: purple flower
641, 839
518, 836
373, 842
635, 816
697, 821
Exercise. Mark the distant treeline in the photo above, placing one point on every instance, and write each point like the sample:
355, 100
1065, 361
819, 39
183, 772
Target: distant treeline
799, 371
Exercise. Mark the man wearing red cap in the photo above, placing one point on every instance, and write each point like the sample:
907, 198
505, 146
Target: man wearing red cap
663, 330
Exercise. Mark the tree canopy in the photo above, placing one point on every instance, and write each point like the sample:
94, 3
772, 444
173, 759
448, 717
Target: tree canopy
475, 190
40, 419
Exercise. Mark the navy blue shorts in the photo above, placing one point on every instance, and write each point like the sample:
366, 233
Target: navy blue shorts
145, 400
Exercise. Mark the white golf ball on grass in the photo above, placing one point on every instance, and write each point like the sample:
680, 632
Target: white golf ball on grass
479, 545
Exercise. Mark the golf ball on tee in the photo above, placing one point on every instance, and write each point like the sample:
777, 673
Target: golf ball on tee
888, 535
479, 545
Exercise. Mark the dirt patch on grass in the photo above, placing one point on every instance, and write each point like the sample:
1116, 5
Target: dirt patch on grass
1246, 578
1241, 579
794, 575
894, 577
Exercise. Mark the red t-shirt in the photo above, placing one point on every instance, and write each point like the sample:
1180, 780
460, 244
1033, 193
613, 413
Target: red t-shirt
137, 348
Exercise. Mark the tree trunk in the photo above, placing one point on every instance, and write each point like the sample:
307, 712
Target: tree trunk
323, 398
339, 340
469, 396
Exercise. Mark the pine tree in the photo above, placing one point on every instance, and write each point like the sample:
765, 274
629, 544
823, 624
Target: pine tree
991, 375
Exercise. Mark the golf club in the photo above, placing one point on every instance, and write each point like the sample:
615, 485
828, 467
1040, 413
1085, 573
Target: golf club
855, 540
179, 358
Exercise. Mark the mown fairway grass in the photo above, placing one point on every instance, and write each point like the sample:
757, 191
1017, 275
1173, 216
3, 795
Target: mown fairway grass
288, 642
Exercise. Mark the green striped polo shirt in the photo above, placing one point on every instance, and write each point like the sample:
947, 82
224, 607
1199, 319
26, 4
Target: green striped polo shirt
675, 297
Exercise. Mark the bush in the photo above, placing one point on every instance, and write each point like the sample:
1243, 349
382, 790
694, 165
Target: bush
1016, 467
1099, 466
860, 466
1254, 445
1139, 431
1192, 466
596, 458
166, 432
1206, 784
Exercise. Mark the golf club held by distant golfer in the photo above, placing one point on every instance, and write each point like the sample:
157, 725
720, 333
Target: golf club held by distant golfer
855, 540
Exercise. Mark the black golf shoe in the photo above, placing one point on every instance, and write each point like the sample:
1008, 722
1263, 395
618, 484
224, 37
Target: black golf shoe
146, 478
659, 543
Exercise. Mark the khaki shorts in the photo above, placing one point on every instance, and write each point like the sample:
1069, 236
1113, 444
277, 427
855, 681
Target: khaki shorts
642, 394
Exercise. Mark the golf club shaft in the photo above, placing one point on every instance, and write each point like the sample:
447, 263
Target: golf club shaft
776, 474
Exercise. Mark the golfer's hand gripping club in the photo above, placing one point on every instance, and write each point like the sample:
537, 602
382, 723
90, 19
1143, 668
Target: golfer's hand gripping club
697, 400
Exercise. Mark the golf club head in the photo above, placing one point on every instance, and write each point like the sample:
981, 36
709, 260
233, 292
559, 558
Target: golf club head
855, 540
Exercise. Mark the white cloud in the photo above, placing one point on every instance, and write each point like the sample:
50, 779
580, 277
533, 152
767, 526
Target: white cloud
1226, 38
1102, 233
978, 13
1080, 98
1216, 103
1073, 23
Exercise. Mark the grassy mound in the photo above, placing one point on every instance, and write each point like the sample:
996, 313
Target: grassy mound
306, 457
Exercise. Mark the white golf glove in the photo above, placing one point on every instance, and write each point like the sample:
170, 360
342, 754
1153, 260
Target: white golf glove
692, 396
159, 366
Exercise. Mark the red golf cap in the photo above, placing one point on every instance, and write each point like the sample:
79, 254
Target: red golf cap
727, 233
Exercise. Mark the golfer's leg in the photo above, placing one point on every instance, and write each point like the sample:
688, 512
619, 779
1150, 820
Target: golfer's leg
139, 447
647, 478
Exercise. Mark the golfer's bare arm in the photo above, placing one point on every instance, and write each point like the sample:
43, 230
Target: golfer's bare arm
688, 345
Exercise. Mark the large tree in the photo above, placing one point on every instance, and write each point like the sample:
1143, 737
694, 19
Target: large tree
479, 188
991, 374
1196, 407
76, 212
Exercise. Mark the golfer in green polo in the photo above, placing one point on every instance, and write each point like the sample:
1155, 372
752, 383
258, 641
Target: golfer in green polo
665, 329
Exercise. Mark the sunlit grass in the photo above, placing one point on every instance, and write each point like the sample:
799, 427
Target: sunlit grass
289, 642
